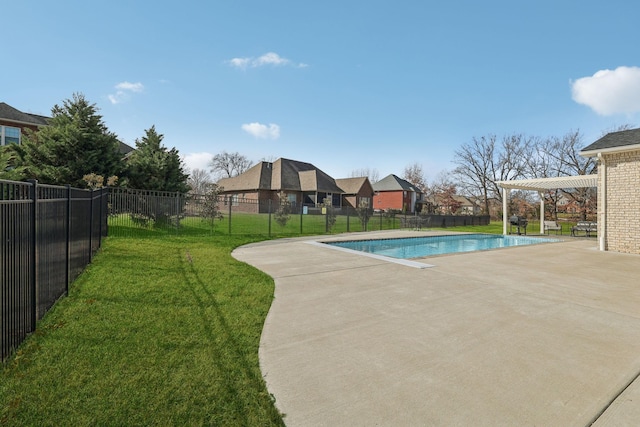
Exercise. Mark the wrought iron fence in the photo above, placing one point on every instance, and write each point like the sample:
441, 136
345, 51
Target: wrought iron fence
134, 211
48, 234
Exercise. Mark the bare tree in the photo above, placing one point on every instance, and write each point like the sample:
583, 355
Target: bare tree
371, 173
485, 161
442, 192
475, 162
565, 153
415, 175
227, 165
199, 181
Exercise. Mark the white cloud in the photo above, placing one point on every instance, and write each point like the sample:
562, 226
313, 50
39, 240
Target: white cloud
271, 131
240, 62
124, 90
269, 58
133, 87
609, 92
197, 160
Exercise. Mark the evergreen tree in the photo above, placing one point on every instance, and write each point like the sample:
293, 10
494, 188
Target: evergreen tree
75, 143
152, 167
7, 161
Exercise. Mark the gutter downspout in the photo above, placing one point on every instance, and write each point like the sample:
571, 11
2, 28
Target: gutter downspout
602, 205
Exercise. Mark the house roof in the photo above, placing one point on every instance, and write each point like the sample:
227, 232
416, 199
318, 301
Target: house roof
351, 185
283, 174
394, 183
11, 114
624, 140
124, 148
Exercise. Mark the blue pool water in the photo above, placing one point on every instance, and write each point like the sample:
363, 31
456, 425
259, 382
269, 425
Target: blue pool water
416, 247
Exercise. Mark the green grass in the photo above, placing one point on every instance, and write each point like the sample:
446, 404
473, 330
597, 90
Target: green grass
154, 332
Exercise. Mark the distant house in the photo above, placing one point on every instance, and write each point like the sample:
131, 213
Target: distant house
14, 123
393, 192
618, 156
302, 183
463, 205
356, 191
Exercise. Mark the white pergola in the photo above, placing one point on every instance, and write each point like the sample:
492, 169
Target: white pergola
540, 185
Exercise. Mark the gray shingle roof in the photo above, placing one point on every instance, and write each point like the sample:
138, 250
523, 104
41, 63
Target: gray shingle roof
283, 174
351, 185
614, 140
9, 113
394, 183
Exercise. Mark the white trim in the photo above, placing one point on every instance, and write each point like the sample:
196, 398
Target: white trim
541, 184
619, 149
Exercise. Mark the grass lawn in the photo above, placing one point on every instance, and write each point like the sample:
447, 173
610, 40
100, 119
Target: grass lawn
154, 332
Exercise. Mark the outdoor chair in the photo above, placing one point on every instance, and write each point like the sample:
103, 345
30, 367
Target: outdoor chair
585, 227
552, 225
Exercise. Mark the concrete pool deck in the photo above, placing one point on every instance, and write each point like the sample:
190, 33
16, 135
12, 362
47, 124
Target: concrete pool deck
534, 335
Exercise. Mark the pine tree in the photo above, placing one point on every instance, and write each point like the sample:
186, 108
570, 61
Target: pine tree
152, 167
75, 143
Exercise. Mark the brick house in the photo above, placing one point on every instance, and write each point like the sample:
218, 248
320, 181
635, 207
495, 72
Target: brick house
618, 156
259, 187
393, 192
14, 123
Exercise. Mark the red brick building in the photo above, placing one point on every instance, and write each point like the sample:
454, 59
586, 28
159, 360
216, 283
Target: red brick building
393, 192
14, 123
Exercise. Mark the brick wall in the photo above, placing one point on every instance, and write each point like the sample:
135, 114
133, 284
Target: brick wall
388, 200
623, 202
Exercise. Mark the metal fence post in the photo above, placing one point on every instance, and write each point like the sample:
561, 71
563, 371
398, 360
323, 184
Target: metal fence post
269, 205
34, 255
91, 225
348, 210
230, 204
68, 243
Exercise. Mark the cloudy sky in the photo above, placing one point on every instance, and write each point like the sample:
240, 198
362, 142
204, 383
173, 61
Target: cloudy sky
344, 85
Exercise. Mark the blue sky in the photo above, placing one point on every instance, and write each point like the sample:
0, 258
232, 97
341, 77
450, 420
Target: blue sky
344, 85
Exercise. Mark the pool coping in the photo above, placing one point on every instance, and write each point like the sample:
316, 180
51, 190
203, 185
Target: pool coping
405, 262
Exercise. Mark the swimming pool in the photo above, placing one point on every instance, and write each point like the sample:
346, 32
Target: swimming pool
416, 247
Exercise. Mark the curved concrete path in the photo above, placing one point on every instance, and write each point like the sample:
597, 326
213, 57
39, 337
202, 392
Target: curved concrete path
539, 335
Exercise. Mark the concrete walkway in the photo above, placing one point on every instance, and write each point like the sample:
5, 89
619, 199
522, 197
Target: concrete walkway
545, 335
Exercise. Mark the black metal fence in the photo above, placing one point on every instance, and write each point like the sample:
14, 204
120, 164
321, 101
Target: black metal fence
133, 211
48, 234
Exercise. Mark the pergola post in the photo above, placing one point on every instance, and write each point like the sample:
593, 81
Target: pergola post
505, 199
541, 195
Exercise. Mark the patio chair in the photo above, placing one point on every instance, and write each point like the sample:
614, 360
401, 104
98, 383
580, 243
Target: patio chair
552, 225
586, 227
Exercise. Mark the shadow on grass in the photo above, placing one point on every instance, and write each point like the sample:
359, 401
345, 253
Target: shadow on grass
228, 354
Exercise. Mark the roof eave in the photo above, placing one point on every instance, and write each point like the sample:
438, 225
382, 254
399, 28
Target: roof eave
609, 150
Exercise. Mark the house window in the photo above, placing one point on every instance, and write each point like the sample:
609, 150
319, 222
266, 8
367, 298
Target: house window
9, 135
292, 199
366, 201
